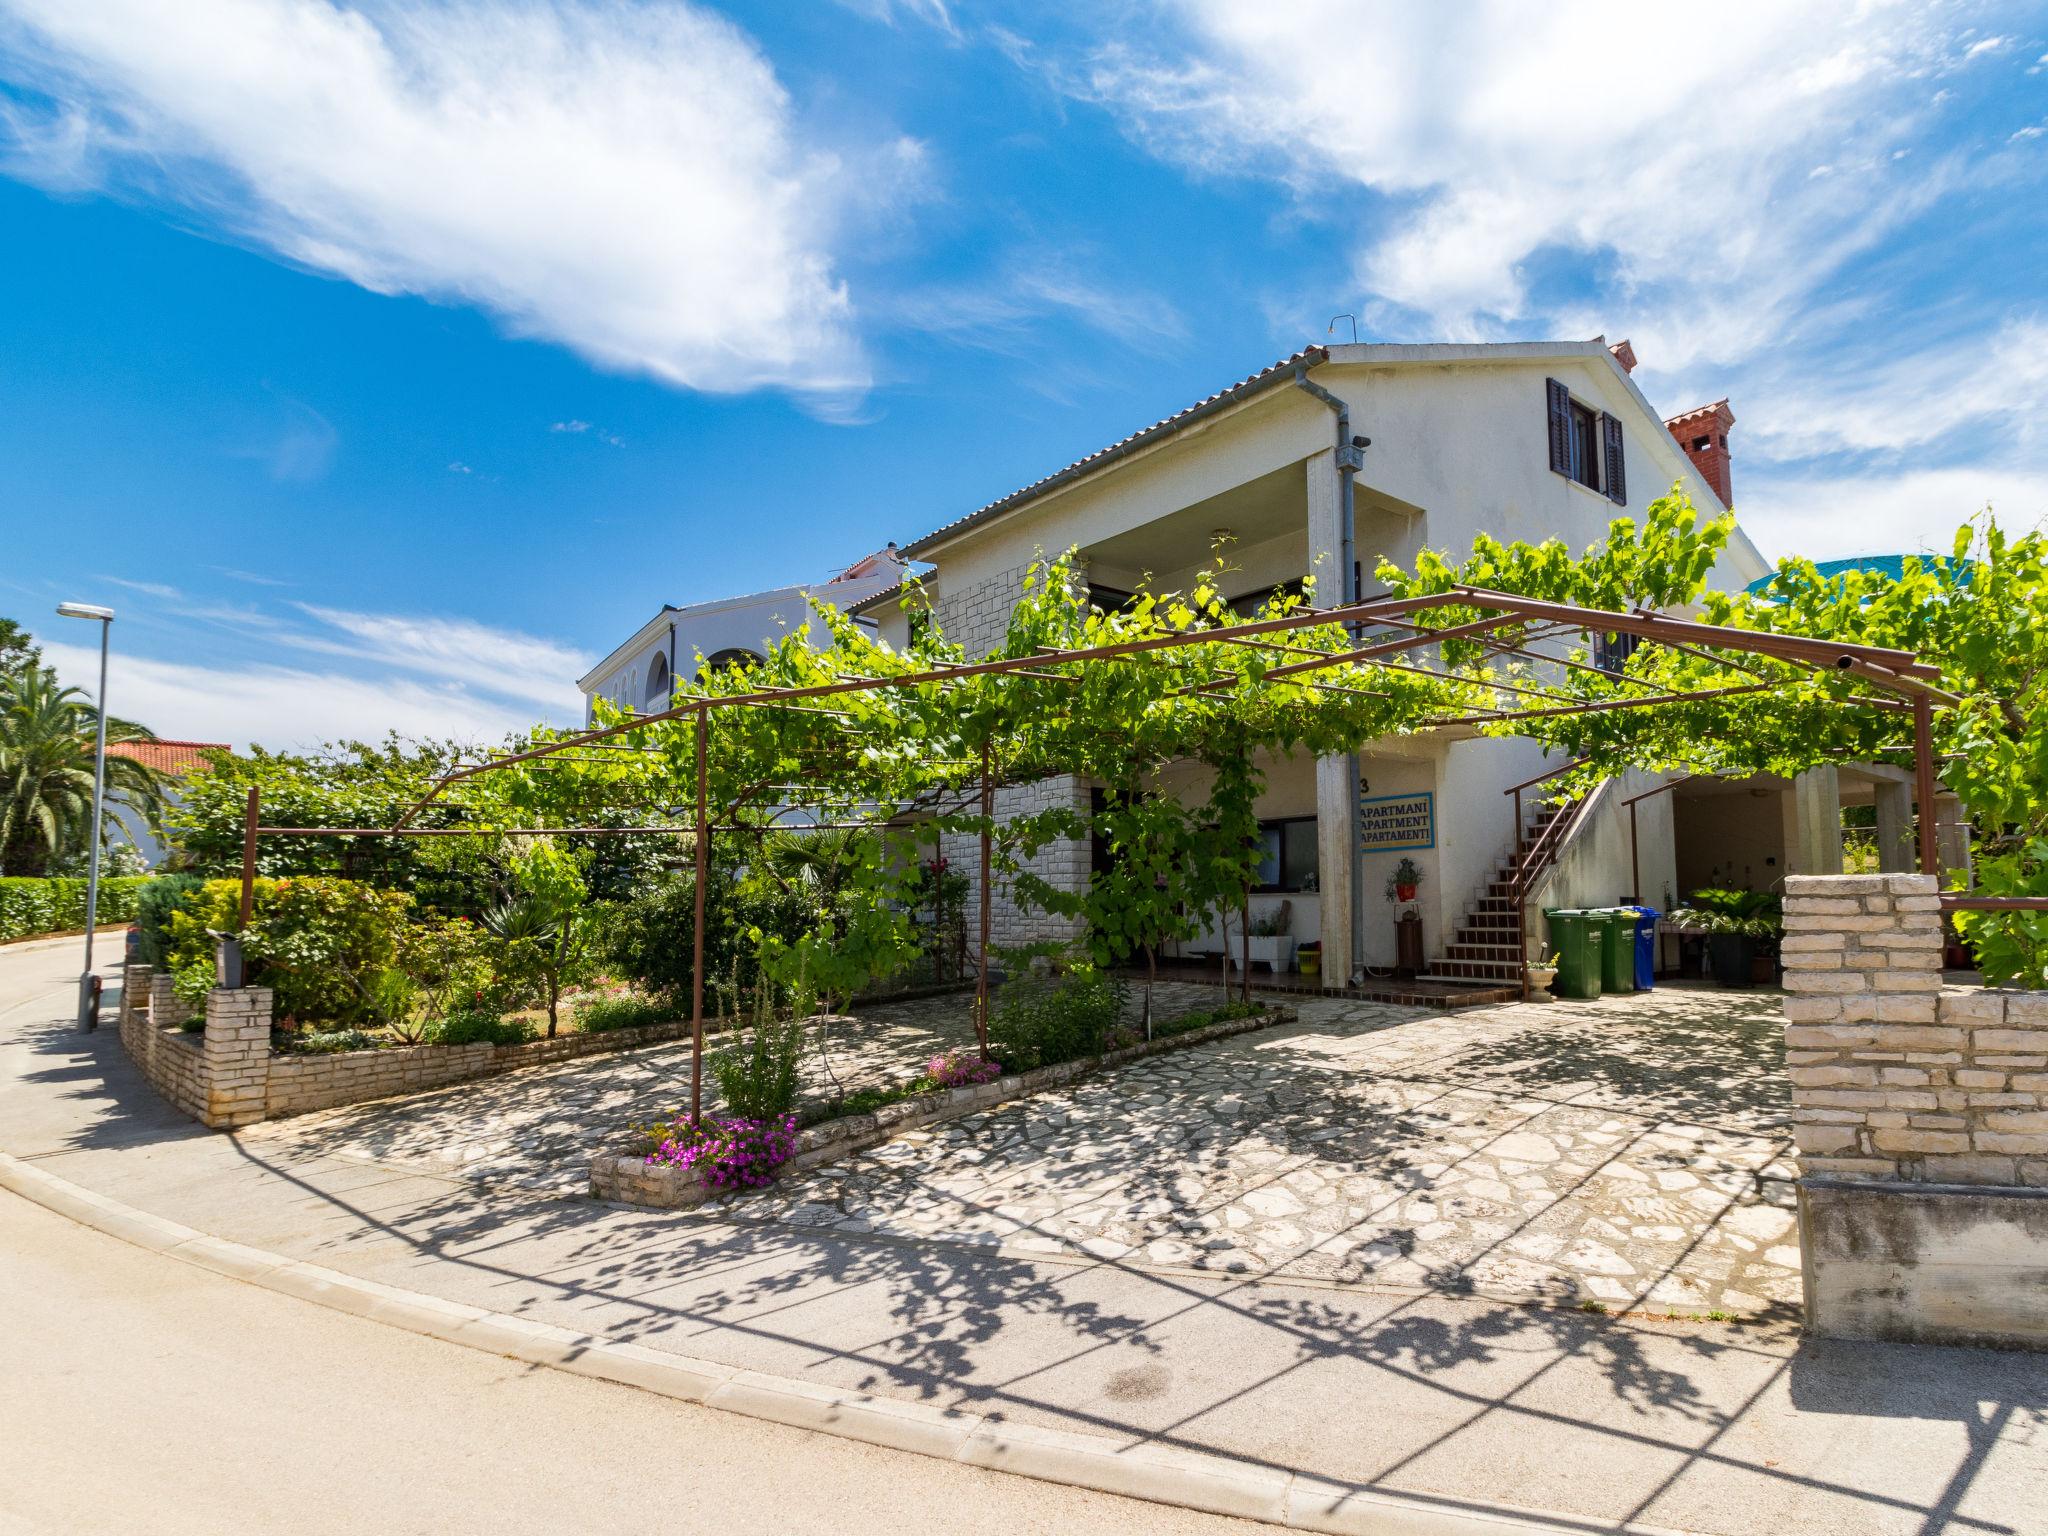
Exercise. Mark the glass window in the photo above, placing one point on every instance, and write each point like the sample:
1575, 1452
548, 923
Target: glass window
1585, 446
1287, 854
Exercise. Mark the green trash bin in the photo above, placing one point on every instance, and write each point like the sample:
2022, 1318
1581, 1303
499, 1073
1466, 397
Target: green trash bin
1576, 939
1617, 930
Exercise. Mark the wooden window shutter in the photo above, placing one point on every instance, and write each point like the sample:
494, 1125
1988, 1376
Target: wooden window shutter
1616, 477
1560, 401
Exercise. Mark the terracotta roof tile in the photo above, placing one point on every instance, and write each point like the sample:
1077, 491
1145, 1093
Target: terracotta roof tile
174, 757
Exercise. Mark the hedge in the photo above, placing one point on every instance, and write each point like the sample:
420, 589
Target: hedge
29, 907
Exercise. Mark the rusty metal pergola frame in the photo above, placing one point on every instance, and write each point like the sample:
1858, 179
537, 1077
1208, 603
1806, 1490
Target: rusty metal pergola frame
1913, 686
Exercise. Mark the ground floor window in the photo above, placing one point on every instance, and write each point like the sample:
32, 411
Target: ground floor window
1287, 854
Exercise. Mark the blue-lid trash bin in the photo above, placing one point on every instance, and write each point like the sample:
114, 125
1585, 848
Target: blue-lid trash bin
1646, 947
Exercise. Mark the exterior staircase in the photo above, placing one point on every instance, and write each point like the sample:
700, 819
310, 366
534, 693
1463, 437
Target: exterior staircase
1488, 948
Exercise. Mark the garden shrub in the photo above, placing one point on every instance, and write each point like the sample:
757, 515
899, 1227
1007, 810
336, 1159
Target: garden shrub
328, 947
1060, 1016
31, 906
604, 1014
474, 1027
154, 904
329, 1042
757, 1076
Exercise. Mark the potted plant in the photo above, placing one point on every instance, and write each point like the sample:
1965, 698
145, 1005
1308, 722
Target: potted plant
1742, 929
1308, 958
1402, 882
1267, 939
1539, 974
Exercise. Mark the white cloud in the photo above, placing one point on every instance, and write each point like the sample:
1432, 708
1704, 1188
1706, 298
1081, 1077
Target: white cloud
627, 180
475, 656
1828, 517
284, 708
998, 312
1907, 401
1676, 156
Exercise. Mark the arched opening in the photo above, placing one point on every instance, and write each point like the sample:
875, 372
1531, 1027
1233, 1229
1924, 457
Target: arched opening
657, 694
735, 656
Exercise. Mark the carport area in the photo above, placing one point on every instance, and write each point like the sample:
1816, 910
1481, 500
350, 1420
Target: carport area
1631, 1152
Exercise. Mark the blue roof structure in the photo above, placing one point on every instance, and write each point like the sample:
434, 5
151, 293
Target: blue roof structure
1893, 566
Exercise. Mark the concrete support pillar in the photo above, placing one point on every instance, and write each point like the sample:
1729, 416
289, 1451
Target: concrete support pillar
1896, 853
1815, 844
1952, 840
1336, 789
237, 1056
1336, 792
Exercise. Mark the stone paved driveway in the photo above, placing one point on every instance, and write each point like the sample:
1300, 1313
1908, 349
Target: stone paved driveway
1627, 1152
1630, 1151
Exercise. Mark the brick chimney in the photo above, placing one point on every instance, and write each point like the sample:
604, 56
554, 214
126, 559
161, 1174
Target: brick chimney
1624, 354
1703, 433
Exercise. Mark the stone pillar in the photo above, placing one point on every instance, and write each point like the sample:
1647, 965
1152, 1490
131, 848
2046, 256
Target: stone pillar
1896, 846
1921, 1115
1815, 846
134, 994
237, 1056
166, 1009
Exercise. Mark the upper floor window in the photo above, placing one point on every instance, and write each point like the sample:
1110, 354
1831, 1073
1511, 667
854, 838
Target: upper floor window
657, 683
1585, 444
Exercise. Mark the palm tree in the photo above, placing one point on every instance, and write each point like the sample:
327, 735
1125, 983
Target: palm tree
46, 772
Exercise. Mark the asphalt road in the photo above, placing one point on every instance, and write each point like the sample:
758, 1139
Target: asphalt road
140, 1394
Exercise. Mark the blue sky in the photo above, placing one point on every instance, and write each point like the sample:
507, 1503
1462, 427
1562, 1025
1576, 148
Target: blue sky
384, 365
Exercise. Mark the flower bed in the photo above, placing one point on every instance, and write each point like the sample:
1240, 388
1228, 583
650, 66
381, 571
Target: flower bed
636, 1178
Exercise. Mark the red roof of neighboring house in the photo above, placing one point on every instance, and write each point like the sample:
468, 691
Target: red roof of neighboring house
178, 757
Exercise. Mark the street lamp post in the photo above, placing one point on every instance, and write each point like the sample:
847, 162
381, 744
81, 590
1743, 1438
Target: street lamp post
88, 992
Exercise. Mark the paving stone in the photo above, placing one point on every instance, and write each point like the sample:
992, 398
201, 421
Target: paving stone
1630, 1148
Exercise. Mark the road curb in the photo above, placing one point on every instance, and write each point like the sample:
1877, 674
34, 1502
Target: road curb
1162, 1474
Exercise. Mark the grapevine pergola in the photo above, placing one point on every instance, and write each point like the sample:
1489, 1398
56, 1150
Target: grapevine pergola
1467, 657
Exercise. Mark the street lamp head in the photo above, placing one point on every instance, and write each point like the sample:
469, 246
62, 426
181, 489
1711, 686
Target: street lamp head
83, 611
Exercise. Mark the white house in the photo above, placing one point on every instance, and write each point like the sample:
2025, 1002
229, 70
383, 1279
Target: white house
1324, 462
640, 672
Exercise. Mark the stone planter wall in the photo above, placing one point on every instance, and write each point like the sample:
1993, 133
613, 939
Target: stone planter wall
628, 1177
228, 1076
1921, 1115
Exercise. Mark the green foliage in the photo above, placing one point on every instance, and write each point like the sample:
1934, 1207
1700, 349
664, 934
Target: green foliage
154, 903
1754, 914
757, 1075
473, 1027
542, 924
57, 905
18, 650
48, 751
329, 1042
1059, 1015
328, 947
608, 1013
856, 921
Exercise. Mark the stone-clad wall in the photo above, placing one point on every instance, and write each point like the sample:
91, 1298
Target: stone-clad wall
1895, 1076
977, 617
229, 1076
1921, 1114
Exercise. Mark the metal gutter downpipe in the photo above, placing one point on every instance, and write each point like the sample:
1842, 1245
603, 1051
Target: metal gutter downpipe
1350, 458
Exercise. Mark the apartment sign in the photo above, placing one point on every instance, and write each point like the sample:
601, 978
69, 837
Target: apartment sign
1394, 823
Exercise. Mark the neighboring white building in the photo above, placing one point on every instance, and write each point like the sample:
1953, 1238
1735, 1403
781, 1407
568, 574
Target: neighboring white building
640, 673
1521, 441
174, 760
